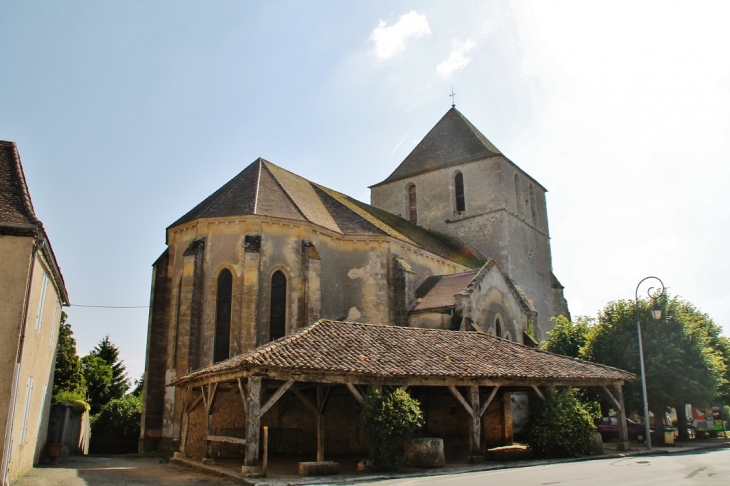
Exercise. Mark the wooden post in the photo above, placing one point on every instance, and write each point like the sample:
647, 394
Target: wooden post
623, 433
508, 438
475, 422
253, 421
322, 396
265, 462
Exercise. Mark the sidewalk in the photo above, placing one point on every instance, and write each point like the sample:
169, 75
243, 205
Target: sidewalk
282, 471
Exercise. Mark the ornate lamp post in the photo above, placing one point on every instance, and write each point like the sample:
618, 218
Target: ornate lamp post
657, 313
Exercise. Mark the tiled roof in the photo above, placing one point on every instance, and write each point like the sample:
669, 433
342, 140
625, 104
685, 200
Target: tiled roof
437, 292
266, 189
379, 351
17, 215
15, 204
452, 141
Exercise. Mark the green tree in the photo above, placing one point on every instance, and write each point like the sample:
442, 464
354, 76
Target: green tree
560, 427
68, 375
98, 375
568, 338
107, 351
115, 429
681, 366
389, 419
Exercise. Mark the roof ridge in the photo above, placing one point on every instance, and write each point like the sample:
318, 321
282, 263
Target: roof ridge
283, 189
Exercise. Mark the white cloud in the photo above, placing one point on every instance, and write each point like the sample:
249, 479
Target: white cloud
457, 60
391, 40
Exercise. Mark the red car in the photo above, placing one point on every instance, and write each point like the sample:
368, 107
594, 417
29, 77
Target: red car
608, 428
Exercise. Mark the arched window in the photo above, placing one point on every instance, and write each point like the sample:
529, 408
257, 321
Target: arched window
412, 208
533, 204
518, 192
277, 316
499, 328
223, 316
459, 192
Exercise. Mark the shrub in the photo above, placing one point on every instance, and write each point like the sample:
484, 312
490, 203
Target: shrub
73, 398
389, 419
115, 429
560, 427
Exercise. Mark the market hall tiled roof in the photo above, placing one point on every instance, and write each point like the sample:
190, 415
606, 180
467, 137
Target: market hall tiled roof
380, 351
266, 189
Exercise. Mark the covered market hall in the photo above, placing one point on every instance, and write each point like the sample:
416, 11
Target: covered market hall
307, 388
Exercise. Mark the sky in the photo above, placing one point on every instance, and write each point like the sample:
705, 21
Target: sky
127, 114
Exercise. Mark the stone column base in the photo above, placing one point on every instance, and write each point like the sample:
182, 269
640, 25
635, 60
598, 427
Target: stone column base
207, 460
251, 471
623, 446
323, 468
475, 459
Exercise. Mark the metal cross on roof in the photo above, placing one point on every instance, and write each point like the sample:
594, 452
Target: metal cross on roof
453, 98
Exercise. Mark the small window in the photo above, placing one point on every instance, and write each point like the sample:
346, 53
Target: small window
499, 328
459, 192
223, 317
412, 208
177, 322
518, 192
277, 317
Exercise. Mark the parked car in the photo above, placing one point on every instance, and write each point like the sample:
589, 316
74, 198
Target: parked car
608, 428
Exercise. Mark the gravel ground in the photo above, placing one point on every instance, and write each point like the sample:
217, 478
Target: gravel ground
103, 471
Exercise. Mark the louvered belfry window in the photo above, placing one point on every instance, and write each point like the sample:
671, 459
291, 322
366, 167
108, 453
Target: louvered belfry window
223, 317
412, 209
277, 318
459, 190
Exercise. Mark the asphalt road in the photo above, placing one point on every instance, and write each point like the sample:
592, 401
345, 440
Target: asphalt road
706, 468
102, 471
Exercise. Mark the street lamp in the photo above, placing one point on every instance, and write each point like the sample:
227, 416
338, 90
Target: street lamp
657, 313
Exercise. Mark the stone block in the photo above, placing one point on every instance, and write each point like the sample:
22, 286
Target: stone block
324, 468
623, 446
597, 444
178, 455
207, 460
425, 452
251, 471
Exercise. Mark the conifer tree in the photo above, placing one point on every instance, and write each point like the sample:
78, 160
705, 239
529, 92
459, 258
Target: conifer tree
68, 375
119, 385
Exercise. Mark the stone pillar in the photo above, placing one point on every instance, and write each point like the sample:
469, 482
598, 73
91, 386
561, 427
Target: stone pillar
311, 268
402, 291
250, 293
253, 424
153, 405
191, 307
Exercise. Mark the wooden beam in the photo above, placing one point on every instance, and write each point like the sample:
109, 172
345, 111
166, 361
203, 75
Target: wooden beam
276, 396
340, 378
305, 400
322, 398
355, 393
205, 400
194, 404
230, 440
218, 402
538, 392
405, 387
475, 422
488, 401
606, 393
212, 389
243, 395
461, 400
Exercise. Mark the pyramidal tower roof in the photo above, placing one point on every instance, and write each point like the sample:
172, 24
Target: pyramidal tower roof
266, 189
452, 141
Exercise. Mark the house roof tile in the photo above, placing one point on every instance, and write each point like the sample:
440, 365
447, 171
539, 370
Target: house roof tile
437, 292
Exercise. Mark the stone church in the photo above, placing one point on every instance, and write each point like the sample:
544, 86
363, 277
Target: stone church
456, 238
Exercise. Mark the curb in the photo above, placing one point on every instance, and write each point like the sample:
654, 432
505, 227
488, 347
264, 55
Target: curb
219, 471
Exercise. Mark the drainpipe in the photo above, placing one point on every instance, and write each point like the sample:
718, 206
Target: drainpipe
8, 443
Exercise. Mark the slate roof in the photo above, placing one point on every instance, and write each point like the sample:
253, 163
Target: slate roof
380, 351
452, 141
265, 189
437, 291
17, 215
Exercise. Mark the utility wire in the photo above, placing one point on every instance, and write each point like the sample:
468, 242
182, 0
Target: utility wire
171, 305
